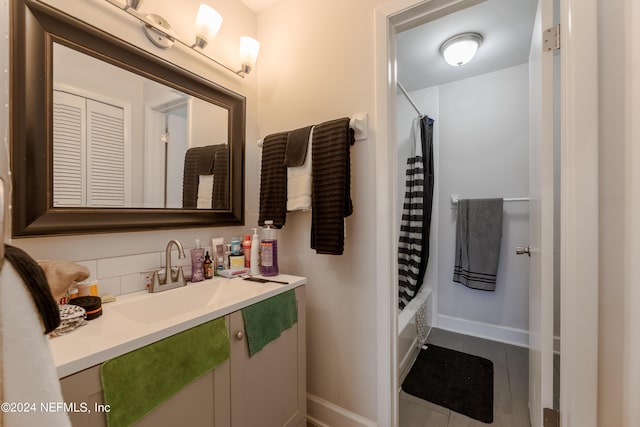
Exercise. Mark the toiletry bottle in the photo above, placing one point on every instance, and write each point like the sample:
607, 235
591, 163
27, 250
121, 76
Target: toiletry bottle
255, 248
236, 247
269, 248
217, 252
208, 266
246, 248
227, 254
197, 260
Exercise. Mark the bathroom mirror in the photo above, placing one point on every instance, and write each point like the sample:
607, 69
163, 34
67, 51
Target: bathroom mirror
107, 137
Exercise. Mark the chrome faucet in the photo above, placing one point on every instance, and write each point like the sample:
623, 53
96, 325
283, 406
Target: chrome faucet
171, 280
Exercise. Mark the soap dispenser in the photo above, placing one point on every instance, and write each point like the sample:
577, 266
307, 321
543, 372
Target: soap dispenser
269, 247
197, 263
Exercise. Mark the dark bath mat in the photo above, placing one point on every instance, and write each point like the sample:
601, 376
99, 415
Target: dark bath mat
458, 381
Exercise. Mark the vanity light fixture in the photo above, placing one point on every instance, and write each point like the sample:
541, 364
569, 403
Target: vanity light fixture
460, 49
208, 22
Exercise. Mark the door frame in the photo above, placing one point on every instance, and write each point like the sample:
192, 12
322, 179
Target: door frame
631, 351
579, 202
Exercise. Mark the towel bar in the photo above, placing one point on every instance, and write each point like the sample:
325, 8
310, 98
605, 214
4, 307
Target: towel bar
456, 197
359, 124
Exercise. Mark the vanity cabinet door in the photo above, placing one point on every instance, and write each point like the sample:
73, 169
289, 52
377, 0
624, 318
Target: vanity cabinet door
203, 402
269, 389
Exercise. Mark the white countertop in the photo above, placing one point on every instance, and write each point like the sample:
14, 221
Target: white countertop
141, 318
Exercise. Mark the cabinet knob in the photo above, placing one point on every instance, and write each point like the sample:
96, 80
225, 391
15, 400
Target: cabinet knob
239, 335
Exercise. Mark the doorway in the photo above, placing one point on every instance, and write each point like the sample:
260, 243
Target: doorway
579, 108
481, 150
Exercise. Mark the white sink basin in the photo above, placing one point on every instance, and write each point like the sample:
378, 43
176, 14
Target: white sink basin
141, 318
202, 296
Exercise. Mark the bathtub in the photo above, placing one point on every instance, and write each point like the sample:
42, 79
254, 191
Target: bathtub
408, 345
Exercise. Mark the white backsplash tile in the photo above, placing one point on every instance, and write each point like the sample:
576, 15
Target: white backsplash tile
121, 266
92, 265
109, 286
132, 283
175, 260
121, 275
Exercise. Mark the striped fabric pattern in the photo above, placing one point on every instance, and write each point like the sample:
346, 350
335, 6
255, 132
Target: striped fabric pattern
413, 246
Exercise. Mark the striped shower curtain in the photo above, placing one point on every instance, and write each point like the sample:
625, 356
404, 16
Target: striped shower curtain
413, 247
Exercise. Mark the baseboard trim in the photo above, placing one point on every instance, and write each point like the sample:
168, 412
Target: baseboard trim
326, 414
518, 337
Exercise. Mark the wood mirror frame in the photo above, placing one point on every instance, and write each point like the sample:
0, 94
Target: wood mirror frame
34, 28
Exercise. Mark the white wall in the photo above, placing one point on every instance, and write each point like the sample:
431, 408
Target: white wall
483, 153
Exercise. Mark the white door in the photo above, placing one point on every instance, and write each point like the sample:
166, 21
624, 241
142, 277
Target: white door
541, 193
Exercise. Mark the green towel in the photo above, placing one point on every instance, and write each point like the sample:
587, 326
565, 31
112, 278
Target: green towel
137, 382
265, 321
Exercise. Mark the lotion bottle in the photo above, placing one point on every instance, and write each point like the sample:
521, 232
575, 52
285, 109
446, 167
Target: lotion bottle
255, 247
246, 249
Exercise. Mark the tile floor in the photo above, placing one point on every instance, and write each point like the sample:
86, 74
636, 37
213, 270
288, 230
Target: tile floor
511, 379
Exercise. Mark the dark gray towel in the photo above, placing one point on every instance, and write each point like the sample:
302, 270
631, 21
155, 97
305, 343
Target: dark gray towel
273, 180
331, 201
37, 284
297, 144
220, 197
478, 236
197, 161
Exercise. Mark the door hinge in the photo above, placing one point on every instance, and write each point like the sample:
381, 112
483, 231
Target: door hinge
551, 417
551, 38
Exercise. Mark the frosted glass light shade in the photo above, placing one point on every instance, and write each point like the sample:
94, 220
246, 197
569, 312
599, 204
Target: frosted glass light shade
460, 49
208, 22
249, 49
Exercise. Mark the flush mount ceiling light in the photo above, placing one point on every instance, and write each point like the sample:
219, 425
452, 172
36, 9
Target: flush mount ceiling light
208, 22
460, 49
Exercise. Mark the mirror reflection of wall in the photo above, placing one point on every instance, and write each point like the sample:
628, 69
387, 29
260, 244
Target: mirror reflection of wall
120, 139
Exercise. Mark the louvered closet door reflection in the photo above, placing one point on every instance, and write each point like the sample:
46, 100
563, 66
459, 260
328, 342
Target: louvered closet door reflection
69, 149
88, 153
105, 155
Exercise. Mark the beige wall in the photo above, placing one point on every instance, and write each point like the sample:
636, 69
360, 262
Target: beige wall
317, 64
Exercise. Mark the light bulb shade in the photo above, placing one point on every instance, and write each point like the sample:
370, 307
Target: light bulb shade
460, 49
208, 22
249, 49
134, 4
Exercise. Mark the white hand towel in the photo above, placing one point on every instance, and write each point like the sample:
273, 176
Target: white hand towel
29, 373
205, 192
299, 181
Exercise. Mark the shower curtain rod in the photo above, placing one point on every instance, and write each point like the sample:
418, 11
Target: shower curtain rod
413, 104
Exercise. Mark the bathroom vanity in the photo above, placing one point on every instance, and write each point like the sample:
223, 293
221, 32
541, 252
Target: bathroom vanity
268, 389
